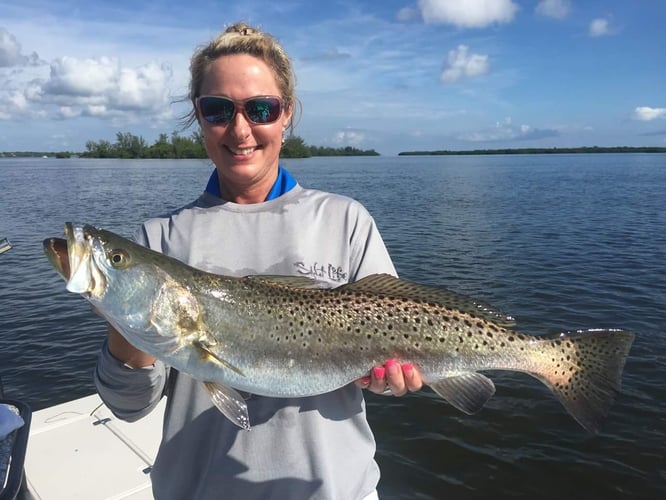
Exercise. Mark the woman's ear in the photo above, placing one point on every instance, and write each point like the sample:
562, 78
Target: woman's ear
287, 116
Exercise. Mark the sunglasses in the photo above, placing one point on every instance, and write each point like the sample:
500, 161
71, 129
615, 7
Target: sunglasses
220, 110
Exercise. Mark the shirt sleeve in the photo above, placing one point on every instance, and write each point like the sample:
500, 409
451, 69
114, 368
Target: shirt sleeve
368, 251
130, 393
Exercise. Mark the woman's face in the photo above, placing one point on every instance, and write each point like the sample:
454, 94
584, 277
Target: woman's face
245, 154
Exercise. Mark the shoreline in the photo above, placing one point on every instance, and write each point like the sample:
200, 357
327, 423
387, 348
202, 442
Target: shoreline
514, 151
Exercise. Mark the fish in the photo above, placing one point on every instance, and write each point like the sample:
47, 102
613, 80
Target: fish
289, 336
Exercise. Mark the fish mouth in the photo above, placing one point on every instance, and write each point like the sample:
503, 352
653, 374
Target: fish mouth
56, 251
73, 258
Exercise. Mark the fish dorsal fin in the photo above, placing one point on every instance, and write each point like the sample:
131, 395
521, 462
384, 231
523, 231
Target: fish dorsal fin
390, 286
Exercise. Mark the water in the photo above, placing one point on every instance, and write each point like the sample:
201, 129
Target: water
561, 242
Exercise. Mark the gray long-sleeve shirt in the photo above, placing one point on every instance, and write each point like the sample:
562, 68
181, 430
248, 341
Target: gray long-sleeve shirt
318, 447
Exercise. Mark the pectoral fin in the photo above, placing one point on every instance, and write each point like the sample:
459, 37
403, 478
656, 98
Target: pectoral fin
467, 391
230, 403
206, 352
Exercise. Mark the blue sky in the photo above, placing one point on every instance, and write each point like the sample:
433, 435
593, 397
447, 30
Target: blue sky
392, 75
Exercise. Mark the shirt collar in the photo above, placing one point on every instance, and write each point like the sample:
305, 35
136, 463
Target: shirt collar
283, 184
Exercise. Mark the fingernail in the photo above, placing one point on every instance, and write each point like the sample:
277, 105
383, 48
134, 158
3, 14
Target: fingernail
392, 366
365, 380
408, 369
379, 372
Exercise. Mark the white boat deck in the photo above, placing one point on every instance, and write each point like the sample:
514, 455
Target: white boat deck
79, 450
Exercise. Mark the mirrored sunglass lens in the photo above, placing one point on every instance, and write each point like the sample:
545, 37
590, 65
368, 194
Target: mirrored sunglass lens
216, 109
263, 110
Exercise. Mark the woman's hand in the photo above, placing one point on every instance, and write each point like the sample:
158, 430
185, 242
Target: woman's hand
123, 351
396, 377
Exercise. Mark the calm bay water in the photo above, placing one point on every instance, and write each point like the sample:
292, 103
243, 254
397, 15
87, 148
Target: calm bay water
561, 242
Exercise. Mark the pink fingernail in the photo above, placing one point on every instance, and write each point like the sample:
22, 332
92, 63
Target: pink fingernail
390, 363
379, 372
407, 369
365, 380
392, 367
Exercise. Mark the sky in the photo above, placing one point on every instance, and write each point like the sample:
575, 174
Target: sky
388, 75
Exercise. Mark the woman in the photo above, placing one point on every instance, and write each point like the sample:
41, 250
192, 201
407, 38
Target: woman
254, 218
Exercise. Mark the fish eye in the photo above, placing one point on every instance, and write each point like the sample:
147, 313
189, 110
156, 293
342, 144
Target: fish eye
118, 258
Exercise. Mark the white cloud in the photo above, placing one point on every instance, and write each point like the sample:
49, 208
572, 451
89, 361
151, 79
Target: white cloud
646, 113
599, 27
82, 78
469, 13
103, 87
10, 52
506, 131
349, 137
462, 64
66, 112
12, 103
558, 9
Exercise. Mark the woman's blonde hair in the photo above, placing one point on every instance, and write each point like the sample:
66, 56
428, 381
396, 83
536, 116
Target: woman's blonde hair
241, 38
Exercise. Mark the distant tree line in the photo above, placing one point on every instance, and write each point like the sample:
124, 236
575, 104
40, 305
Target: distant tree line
532, 151
131, 146
176, 147
128, 145
295, 147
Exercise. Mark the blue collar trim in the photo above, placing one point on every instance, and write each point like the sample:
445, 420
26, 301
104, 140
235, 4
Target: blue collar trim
283, 184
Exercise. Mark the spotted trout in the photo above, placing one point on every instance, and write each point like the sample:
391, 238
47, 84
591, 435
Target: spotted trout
283, 336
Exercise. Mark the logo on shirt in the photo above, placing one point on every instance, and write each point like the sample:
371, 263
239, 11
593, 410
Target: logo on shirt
321, 271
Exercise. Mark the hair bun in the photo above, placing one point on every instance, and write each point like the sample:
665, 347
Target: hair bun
242, 29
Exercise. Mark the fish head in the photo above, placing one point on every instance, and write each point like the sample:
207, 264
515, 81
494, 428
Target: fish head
142, 293
117, 276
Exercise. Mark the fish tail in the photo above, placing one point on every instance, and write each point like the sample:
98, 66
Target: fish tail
584, 371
